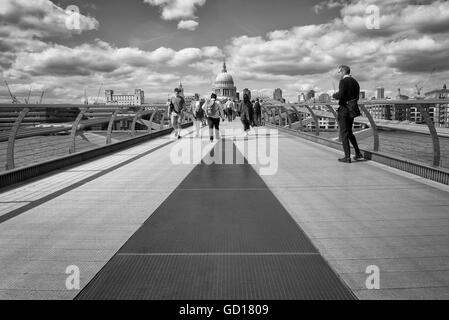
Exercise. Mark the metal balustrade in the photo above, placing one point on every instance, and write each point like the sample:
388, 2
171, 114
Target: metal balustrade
43, 142
303, 119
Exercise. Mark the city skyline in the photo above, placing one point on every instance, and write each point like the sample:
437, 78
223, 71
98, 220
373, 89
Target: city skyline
296, 48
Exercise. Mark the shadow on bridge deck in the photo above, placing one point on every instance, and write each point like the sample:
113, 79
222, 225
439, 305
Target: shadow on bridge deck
139, 226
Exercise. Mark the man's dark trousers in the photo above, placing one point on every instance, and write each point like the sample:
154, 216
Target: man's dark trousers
346, 122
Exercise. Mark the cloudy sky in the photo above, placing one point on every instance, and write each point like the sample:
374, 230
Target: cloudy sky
151, 44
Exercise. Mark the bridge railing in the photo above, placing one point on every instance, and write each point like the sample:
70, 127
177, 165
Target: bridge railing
30, 134
423, 142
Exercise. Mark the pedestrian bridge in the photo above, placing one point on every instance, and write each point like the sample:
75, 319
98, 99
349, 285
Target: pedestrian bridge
149, 222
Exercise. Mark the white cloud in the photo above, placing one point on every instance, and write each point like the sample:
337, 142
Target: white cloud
311, 53
401, 54
177, 9
102, 57
188, 25
329, 4
39, 18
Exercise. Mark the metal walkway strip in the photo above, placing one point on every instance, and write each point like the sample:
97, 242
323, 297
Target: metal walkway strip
221, 235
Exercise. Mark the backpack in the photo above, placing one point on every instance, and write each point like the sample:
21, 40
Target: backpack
353, 108
199, 114
173, 109
212, 109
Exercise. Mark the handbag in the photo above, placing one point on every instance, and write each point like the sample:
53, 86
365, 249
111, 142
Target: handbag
353, 108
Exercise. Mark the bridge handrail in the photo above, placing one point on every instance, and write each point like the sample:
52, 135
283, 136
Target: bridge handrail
18, 130
365, 106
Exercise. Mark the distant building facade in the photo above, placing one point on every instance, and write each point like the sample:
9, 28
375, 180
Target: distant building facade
380, 93
438, 93
362, 95
277, 94
136, 99
401, 96
324, 98
301, 97
441, 112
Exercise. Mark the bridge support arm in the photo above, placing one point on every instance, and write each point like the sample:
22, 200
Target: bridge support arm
373, 127
111, 125
434, 135
150, 128
287, 118
161, 122
133, 125
273, 116
332, 110
12, 139
299, 117
315, 120
75, 125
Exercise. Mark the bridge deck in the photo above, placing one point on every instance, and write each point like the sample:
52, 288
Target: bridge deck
138, 214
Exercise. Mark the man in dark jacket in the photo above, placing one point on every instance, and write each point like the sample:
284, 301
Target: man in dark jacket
245, 114
348, 90
257, 113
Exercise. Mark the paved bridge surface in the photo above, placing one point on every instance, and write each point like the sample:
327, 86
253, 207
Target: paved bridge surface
138, 225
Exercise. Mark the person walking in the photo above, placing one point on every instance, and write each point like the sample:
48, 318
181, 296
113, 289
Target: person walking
245, 114
213, 111
238, 108
251, 114
348, 94
230, 106
177, 104
198, 115
257, 113
235, 110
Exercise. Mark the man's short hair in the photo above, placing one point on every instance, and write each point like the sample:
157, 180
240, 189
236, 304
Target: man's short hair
213, 96
346, 69
177, 90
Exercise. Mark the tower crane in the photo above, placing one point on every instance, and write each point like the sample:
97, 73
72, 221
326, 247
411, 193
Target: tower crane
27, 100
42, 97
99, 92
13, 97
419, 86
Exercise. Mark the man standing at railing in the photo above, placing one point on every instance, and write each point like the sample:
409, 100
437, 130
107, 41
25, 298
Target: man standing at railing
348, 92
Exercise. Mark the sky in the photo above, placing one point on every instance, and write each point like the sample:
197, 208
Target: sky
152, 44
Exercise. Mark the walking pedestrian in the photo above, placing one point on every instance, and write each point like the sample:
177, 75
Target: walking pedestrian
245, 114
213, 111
348, 95
230, 106
257, 113
177, 104
251, 114
198, 115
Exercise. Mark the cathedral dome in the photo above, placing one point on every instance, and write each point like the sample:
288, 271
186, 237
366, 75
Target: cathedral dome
224, 84
224, 78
